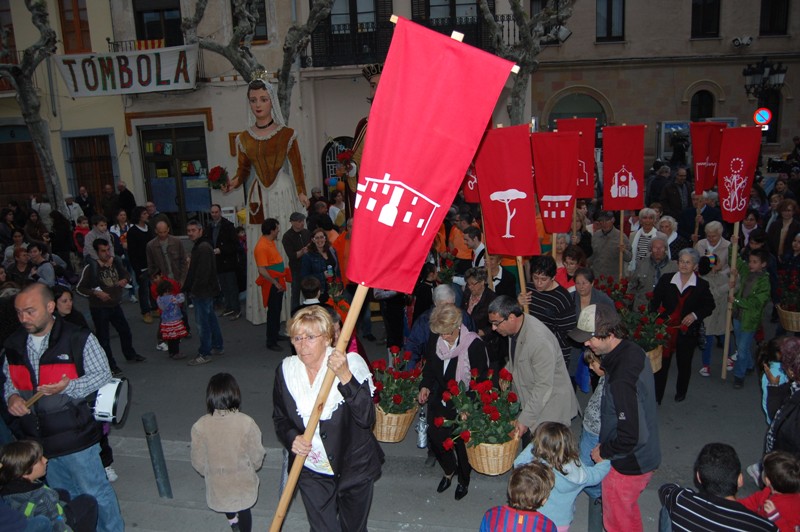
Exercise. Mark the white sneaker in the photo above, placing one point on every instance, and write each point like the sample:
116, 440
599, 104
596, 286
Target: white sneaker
730, 365
134, 299
734, 356
162, 346
705, 372
111, 474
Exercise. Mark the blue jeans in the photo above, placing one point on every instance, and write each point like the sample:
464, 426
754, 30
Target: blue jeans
207, 325
82, 472
744, 343
588, 442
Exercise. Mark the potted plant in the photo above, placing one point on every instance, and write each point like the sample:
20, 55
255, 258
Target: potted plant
396, 391
789, 305
485, 422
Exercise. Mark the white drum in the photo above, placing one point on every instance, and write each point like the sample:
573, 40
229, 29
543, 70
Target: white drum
111, 405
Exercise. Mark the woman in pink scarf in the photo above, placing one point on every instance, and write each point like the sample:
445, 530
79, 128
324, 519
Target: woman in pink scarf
453, 354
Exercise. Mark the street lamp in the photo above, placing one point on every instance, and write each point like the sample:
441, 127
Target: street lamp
763, 77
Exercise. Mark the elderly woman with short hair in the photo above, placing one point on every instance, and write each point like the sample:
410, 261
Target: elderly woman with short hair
675, 242
684, 300
452, 353
640, 241
343, 459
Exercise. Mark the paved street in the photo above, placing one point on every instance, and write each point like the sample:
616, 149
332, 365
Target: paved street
405, 496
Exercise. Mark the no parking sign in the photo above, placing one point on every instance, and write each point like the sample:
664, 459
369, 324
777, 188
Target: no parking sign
762, 117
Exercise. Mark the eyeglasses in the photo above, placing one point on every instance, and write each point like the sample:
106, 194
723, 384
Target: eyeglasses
309, 338
497, 323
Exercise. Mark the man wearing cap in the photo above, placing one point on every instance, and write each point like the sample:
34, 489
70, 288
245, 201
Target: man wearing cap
606, 247
372, 73
540, 376
295, 244
628, 419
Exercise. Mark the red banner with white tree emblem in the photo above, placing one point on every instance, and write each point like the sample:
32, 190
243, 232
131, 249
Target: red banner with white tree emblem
555, 171
623, 168
738, 159
706, 143
508, 200
423, 130
586, 128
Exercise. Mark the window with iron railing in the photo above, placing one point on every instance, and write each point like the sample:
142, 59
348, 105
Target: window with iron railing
355, 33
158, 21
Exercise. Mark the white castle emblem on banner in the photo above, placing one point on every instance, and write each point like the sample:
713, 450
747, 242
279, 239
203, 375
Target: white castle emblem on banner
554, 206
624, 184
583, 175
395, 199
735, 184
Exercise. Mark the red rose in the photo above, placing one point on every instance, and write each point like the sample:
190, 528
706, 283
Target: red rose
684, 328
448, 263
465, 436
485, 386
397, 399
642, 308
490, 373
378, 386
447, 444
659, 321
619, 305
379, 365
376, 399
446, 396
629, 297
416, 372
494, 395
486, 398
661, 309
659, 336
494, 416
637, 335
394, 350
488, 409
407, 356
505, 375
512, 397
473, 385
438, 421
473, 372
454, 391
648, 295
645, 320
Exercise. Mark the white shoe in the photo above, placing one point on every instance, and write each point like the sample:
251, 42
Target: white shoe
705, 372
734, 356
162, 346
111, 474
134, 299
729, 367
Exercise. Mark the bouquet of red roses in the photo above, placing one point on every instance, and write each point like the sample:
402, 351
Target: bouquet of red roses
485, 414
218, 177
396, 388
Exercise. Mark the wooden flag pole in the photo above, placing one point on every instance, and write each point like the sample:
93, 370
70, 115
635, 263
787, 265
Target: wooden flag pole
297, 466
621, 241
731, 291
522, 288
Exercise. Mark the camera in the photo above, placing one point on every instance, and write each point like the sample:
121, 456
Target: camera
744, 40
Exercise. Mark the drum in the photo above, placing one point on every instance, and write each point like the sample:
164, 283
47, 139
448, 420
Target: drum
112, 401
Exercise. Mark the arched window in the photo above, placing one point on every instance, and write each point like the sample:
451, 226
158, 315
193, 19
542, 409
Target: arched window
702, 106
577, 105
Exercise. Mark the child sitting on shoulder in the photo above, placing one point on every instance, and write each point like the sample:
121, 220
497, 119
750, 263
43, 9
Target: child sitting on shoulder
528, 489
779, 501
554, 445
22, 465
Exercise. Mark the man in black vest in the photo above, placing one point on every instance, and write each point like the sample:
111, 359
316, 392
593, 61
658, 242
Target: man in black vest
70, 367
223, 238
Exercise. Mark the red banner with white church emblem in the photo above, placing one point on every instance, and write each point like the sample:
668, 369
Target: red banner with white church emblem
586, 128
555, 170
423, 130
623, 168
706, 143
508, 200
470, 186
738, 158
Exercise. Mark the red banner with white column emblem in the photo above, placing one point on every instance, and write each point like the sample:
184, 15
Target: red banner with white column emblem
424, 128
706, 143
586, 128
470, 186
555, 171
623, 168
738, 158
508, 200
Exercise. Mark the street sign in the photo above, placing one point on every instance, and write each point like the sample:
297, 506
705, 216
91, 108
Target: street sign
765, 127
762, 116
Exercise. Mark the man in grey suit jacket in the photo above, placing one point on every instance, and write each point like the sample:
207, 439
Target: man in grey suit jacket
540, 376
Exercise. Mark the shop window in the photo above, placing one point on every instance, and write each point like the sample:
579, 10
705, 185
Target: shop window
74, 26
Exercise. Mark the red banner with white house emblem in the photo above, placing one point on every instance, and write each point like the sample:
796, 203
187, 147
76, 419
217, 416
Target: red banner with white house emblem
738, 158
508, 199
706, 143
423, 130
470, 186
623, 168
586, 128
555, 171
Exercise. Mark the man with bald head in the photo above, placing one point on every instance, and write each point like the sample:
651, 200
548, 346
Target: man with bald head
66, 363
165, 254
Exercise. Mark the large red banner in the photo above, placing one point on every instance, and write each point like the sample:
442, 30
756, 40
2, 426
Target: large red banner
425, 125
623, 168
706, 143
508, 199
586, 127
555, 169
738, 158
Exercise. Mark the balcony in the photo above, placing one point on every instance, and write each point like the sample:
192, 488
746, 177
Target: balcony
134, 45
340, 45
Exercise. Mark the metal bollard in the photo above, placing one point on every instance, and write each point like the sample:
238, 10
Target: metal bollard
157, 455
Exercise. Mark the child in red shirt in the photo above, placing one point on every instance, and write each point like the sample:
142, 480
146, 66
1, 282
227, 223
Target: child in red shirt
155, 278
79, 235
779, 501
